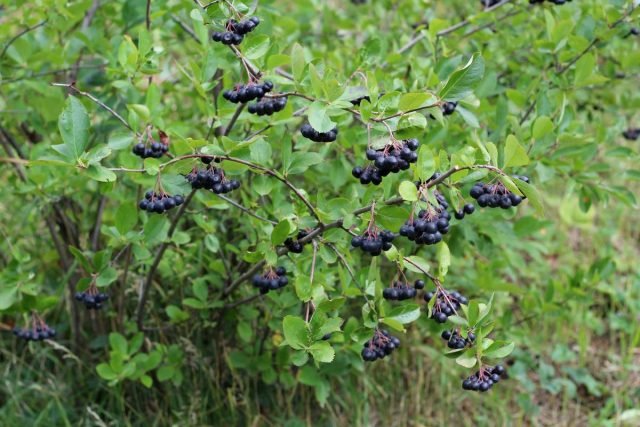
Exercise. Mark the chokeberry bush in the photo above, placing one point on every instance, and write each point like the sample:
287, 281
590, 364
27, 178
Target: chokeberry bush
278, 212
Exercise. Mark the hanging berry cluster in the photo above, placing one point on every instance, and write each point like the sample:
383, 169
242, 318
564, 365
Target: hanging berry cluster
382, 344
154, 150
374, 241
393, 158
235, 31
151, 148
294, 246
432, 223
38, 331
159, 202
268, 106
400, 291
91, 297
271, 280
248, 92
310, 133
496, 195
213, 179
447, 303
456, 341
484, 379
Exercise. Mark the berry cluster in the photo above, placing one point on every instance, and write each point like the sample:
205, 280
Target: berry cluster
295, 246
91, 298
431, 224
249, 92
446, 304
38, 332
400, 291
159, 202
35, 334
379, 346
467, 209
266, 107
310, 133
393, 158
213, 179
374, 242
496, 195
235, 31
449, 108
631, 134
271, 280
155, 150
457, 341
484, 379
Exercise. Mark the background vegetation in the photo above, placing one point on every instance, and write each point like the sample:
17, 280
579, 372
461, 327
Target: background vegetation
559, 82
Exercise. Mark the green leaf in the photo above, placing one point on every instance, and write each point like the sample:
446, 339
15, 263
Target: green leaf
444, 259
280, 232
499, 350
118, 343
8, 296
105, 372
393, 324
467, 359
462, 81
296, 332
298, 62
532, 195
542, 127
319, 118
126, 217
408, 191
411, 101
416, 264
100, 173
514, 153
405, 313
73, 124
322, 352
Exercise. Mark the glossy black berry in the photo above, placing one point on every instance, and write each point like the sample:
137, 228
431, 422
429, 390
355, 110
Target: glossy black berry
310, 133
271, 280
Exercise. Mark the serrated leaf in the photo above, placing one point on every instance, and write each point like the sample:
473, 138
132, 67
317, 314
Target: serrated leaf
322, 352
296, 332
73, 124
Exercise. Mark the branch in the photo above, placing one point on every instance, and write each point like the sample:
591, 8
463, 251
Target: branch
234, 118
20, 34
97, 101
338, 223
245, 210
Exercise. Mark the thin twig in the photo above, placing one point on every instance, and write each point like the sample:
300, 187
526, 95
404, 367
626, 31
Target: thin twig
20, 34
245, 210
97, 101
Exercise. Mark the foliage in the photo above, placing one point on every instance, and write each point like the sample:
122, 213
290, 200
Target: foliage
544, 91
